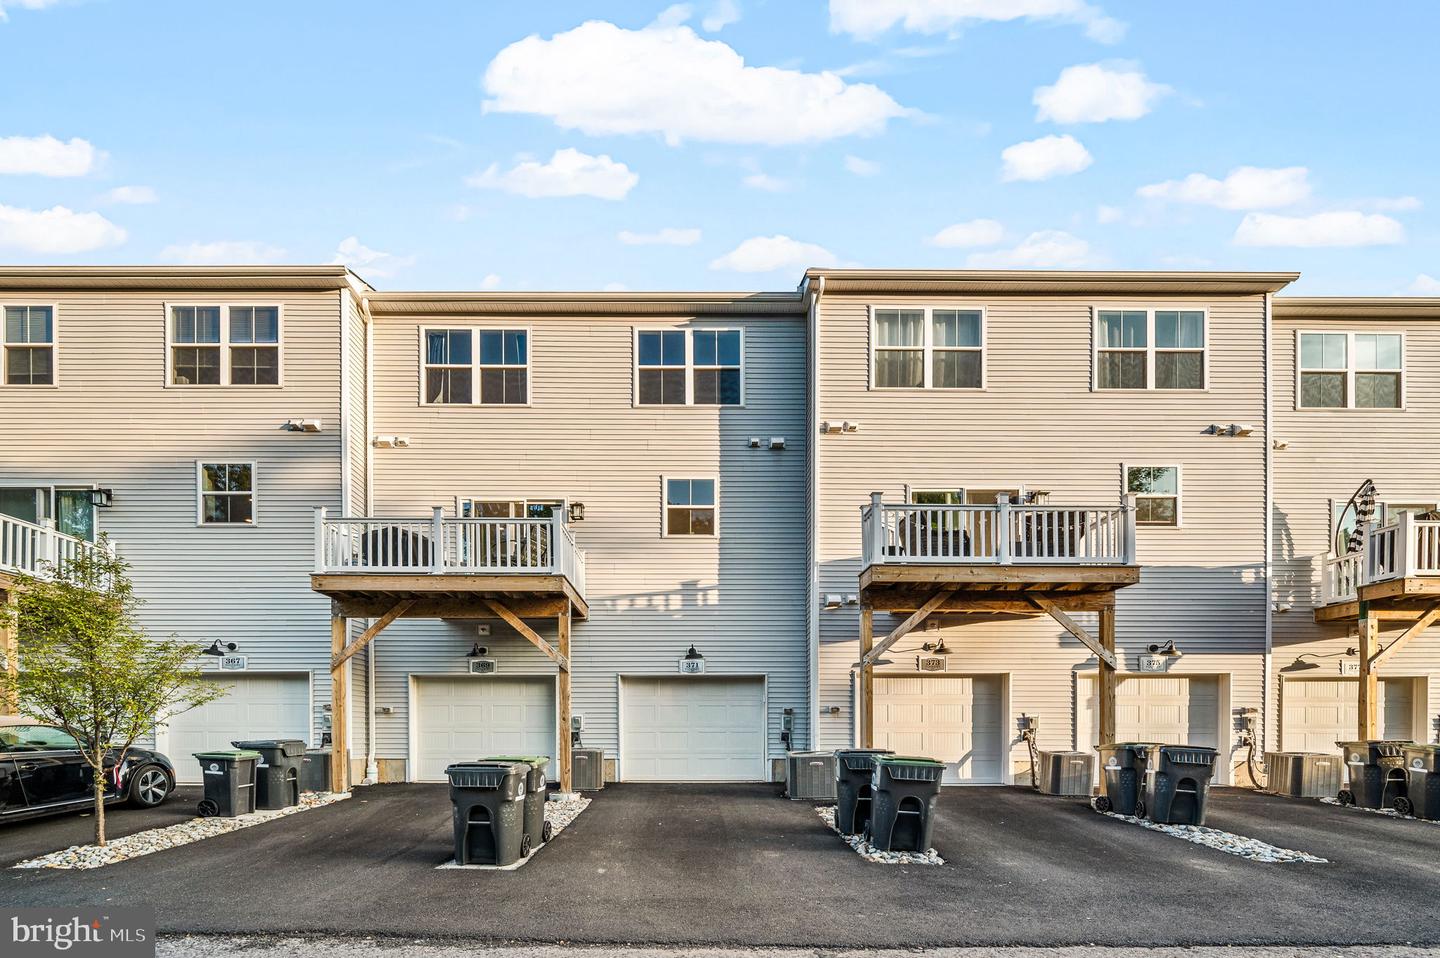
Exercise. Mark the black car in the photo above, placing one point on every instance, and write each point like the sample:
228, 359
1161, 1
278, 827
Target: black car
42, 773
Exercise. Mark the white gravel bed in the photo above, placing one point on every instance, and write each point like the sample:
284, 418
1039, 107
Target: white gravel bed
1377, 811
171, 836
1251, 849
558, 813
870, 853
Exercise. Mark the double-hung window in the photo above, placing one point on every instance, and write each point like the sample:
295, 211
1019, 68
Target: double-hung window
698, 367
28, 335
227, 493
928, 349
504, 367
255, 345
1157, 494
454, 360
1342, 370
224, 345
690, 507
1150, 349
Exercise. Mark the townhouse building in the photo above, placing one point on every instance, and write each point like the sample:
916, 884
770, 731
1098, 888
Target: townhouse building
922, 509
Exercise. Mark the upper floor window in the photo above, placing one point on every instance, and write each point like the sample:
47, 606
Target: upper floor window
224, 345
28, 335
690, 507
928, 349
227, 493
455, 359
1351, 370
701, 367
1150, 349
1157, 494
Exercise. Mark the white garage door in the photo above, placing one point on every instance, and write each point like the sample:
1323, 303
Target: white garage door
1317, 713
958, 719
255, 706
693, 729
1172, 710
464, 719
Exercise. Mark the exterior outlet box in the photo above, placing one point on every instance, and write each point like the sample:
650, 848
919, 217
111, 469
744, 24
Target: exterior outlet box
484, 666
810, 776
931, 663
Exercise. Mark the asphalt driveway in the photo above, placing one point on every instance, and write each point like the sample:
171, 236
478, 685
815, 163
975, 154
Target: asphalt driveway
40, 836
737, 865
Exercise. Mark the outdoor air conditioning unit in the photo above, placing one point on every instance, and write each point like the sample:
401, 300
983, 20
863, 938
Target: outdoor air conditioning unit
1065, 773
931, 663
810, 776
587, 769
1303, 774
482, 666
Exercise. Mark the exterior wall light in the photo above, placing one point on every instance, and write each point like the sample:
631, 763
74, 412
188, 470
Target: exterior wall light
577, 512
218, 648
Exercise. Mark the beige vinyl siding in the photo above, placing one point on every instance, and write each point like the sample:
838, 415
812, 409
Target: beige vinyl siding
113, 422
1038, 423
1328, 454
740, 598
356, 386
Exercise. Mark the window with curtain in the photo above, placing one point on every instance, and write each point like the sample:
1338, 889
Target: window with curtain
448, 369
1124, 345
1343, 370
255, 345
29, 345
899, 348
195, 345
1150, 349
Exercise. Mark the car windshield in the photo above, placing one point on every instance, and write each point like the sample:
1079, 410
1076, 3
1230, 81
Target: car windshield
34, 738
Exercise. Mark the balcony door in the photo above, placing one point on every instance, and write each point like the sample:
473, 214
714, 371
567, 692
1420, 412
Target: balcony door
69, 511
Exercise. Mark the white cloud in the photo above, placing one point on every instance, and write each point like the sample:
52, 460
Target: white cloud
490, 281
972, 233
1046, 249
1244, 188
568, 173
1396, 204
722, 14
1096, 92
766, 183
668, 236
132, 195
371, 262
56, 230
1044, 158
47, 156
854, 164
869, 18
673, 15
222, 253
1424, 285
602, 80
762, 254
1108, 214
24, 5
1337, 228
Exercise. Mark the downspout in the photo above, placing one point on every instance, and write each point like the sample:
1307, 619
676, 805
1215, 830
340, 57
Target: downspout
812, 585
372, 768
1267, 663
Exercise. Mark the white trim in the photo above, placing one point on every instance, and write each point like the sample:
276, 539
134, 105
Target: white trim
345, 481
1179, 496
54, 344
1150, 349
1350, 370
689, 332
928, 349
764, 678
412, 717
1264, 731
254, 494
224, 345
665, 506
475, 366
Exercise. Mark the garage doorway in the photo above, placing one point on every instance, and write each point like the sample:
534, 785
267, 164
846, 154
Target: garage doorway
1315, 713
256, 706
693, 729
955, 719
463, 718
1169, 709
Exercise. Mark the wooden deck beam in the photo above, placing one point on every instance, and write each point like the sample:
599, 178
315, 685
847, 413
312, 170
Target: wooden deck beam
451, 607
1104, 654
339, 708
368, 636
963, 602
534, 638
380, 587
562, 625
904, 628
1421, 623
963, 576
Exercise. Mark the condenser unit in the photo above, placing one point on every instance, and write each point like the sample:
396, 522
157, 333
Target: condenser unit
931, 663
1303, 774
1065, 773
482, 666
587, 769
810, 776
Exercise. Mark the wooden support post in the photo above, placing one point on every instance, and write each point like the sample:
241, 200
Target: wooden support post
939, 598
1417, 628
563, 689
368, 636
867, 679
529, 634
1108, 680
10, 648
1369, 628
339, 705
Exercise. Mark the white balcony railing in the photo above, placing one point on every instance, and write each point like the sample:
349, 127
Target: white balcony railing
441, 546
1001, 534
33, 549
1402, 549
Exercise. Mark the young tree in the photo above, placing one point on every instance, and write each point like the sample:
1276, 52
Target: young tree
86, 665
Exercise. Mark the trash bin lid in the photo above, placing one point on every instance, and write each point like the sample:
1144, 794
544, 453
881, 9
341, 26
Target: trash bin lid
535, 760
233, 755
905, 760
286, 746
1132, 746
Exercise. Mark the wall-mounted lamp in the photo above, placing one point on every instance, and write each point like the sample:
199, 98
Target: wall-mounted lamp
576, 512
1301, 665
477, 651
693, 656
1165, 648
938, 648
1234, 429
102, 498
304, 425
218, 648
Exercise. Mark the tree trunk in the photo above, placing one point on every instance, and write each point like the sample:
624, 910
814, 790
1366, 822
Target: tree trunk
99, 776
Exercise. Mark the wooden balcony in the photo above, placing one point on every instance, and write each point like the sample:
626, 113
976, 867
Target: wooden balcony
30, 549
1398, 568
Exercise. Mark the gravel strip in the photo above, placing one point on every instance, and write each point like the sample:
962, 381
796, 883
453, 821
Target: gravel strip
1377, 811
870, 853
1251, 849
172, 836
558, 813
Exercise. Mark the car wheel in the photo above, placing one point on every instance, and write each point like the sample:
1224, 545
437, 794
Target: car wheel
149, 786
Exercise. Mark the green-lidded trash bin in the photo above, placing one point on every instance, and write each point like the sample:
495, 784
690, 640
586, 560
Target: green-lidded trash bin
904, 788
277, 775
854, 768
489, 812
1422, 796
229, 778
535, 825
1377, 773
1179, 784
1122, 768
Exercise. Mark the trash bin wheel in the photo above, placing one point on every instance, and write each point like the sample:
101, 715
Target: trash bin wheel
1346, 797
1102, 804
547, 833
525, 846
208, 808
1404, 806
1140, 809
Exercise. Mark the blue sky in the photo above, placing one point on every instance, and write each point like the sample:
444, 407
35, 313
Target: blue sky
723, 145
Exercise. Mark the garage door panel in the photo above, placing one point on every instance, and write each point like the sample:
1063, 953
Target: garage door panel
255, 707
1317, 713
955, 719
693, 729
461, 720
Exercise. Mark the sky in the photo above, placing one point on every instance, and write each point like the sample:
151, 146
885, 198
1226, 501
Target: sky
724, 144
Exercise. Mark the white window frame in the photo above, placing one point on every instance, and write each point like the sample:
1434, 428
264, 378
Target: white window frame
224, 345
54, 346
928, 348
1350, 370
1179, 496
689, 332
476, 366
200, 493
665, 506
522, 501
1150, 349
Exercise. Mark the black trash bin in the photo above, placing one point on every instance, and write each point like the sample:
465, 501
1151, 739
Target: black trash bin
1179, 784
1122, 768
489, 812
315, 770
904, 789
1377, 773
853, 770
277, 776
535, 825
229, 779
1422, 796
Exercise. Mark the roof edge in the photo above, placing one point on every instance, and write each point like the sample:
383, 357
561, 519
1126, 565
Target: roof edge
1021, 281
1356, 307
180, 277
584, 303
